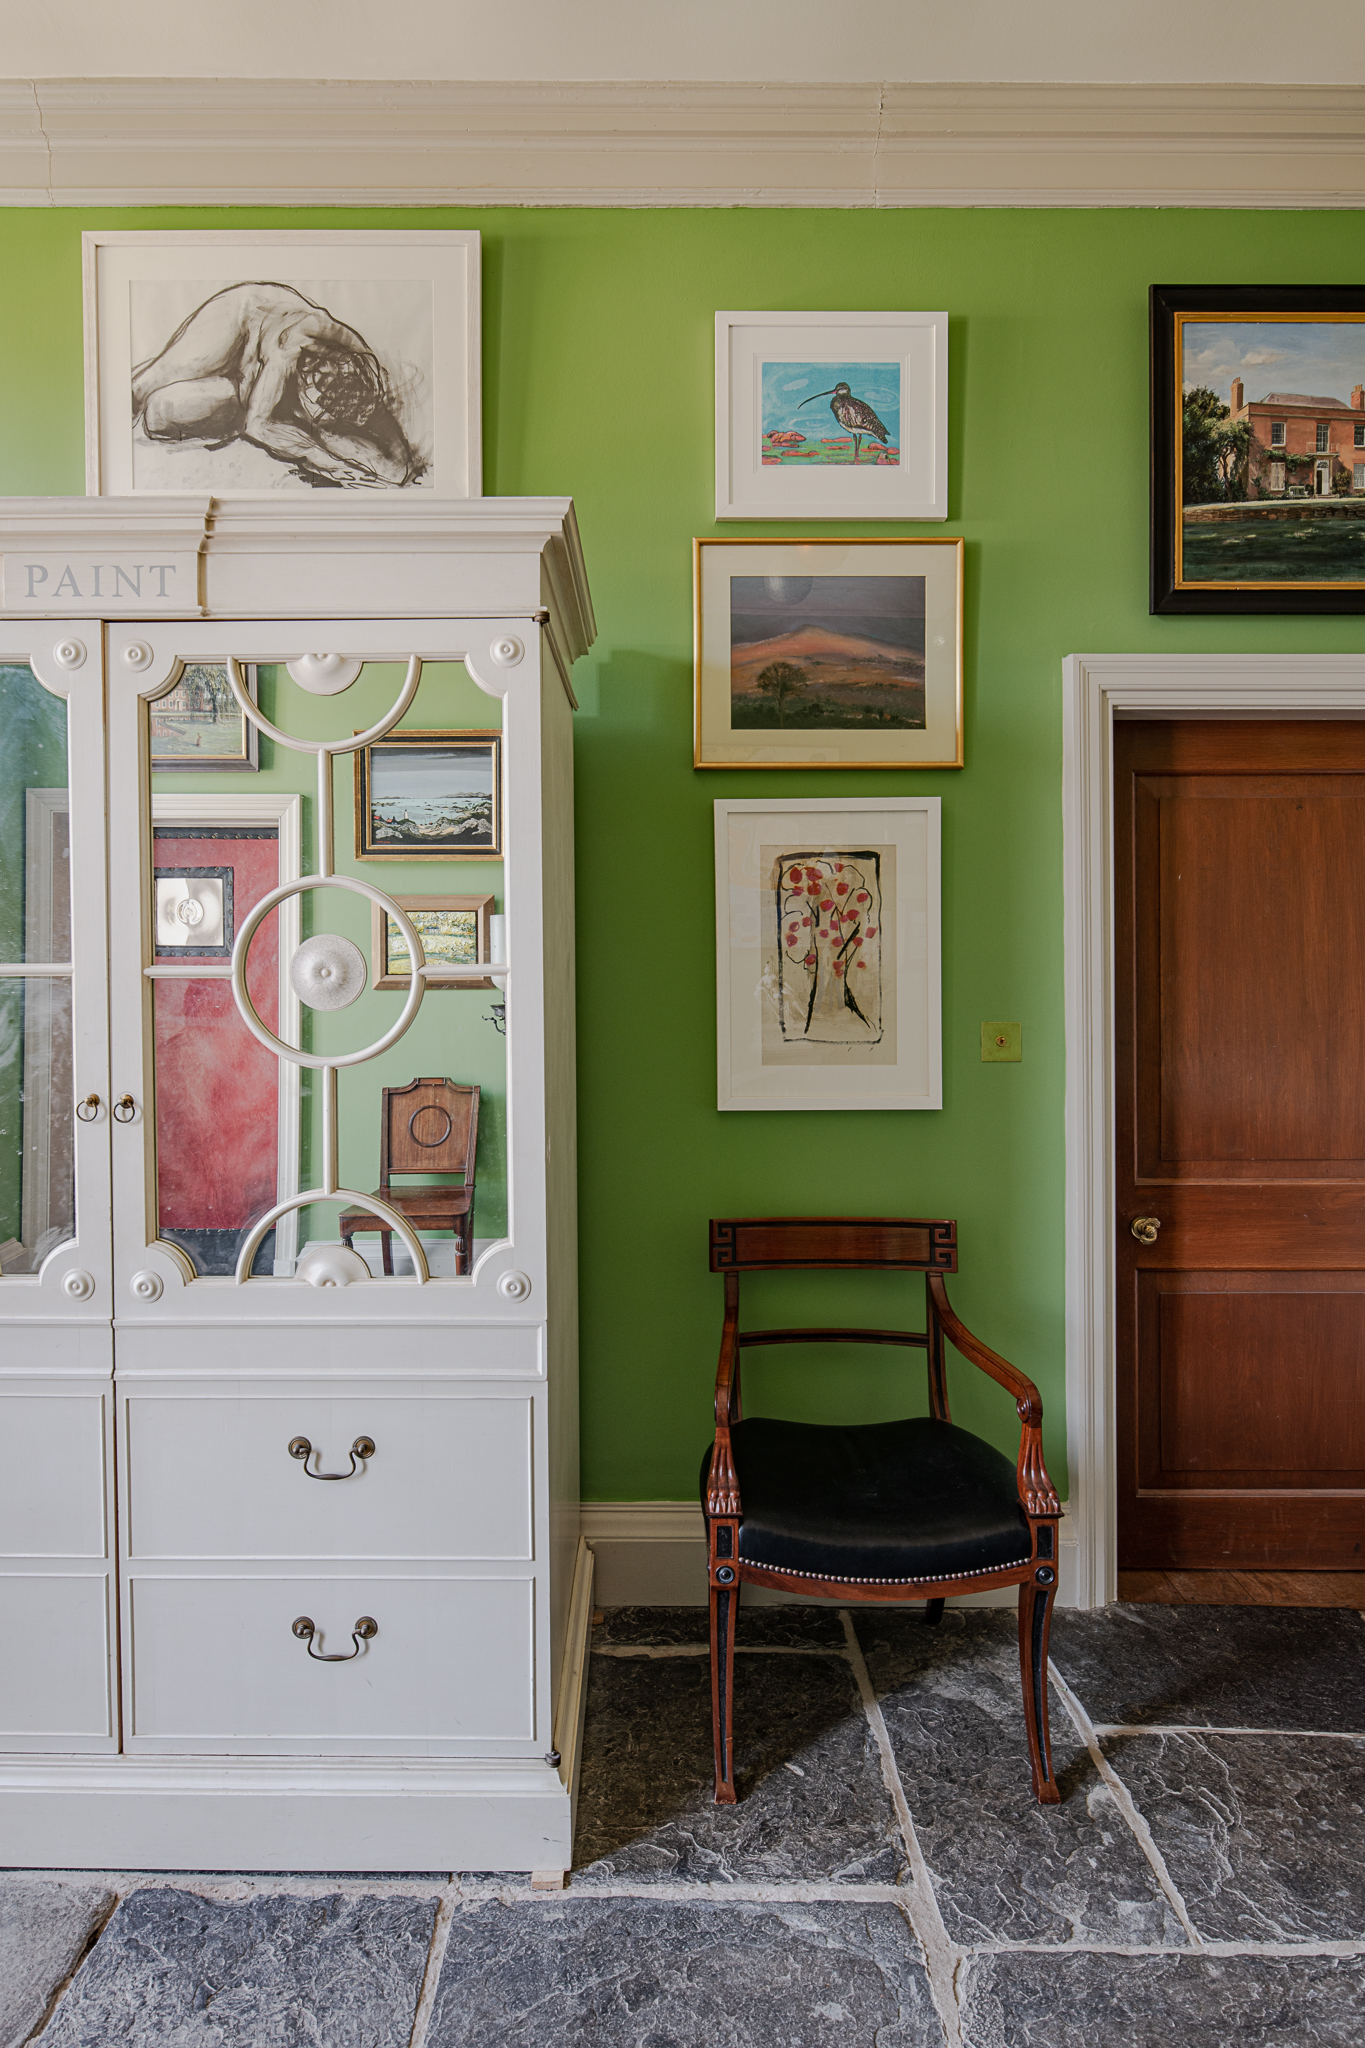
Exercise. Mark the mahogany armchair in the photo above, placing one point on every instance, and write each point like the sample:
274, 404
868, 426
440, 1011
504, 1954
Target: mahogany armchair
908, 1510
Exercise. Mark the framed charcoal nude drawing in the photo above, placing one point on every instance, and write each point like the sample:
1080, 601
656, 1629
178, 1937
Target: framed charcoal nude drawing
828, 953
228, 361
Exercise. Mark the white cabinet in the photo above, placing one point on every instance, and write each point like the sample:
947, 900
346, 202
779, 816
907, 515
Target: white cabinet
223, 1649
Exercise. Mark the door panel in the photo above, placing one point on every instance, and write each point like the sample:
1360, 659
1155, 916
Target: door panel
1240, 1124
54, 1166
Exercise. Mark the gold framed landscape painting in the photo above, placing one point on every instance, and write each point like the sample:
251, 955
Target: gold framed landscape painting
828, 653
1258, 449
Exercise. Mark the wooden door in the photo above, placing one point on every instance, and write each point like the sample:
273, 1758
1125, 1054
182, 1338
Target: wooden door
1240, 1125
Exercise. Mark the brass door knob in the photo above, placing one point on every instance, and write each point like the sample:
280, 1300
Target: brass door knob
1146, 1229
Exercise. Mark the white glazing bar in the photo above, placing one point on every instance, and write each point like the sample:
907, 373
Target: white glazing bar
327, 1077
52, 970
323, 835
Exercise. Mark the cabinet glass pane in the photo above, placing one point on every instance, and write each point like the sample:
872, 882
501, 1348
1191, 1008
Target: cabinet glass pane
237, 1129
35, 887
37, 1181
37, 1193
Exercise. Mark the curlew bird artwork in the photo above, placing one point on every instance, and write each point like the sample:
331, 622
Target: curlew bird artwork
854, 415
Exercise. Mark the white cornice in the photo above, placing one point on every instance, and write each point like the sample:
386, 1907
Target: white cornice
215, 142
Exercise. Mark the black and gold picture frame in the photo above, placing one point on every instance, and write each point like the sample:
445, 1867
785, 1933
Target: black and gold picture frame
1257, 449
424, 796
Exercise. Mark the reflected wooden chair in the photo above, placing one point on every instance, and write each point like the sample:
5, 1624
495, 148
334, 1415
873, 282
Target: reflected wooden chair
909, 1510
431, 1126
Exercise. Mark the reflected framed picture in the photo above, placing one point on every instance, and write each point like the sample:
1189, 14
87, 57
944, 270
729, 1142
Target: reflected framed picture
454, 931
1258, 449
831, 415
828, 953
198, 723
429, 796
236, 360
828, 653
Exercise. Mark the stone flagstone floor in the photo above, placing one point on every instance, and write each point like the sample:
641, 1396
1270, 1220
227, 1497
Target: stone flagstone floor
885, 1881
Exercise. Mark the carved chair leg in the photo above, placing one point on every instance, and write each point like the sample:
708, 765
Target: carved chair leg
933, 1613
386, 1249
1035, 1622
724, 1607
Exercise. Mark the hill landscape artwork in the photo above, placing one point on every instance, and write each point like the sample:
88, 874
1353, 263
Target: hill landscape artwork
827, 652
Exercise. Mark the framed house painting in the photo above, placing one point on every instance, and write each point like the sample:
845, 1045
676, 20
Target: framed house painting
423, 796
831, 415
198, 723
828, 653
235, 360
1258, 448
828, 953
454, 931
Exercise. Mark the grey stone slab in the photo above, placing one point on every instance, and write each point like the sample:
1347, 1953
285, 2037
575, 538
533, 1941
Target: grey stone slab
812, 1803
1263, 1834
758, 1627
1220, 1667
1004, 1868
1108, 2001
633, 1973
271, 1972
44, 1928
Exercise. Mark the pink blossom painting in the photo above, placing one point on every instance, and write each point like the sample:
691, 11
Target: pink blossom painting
828, 907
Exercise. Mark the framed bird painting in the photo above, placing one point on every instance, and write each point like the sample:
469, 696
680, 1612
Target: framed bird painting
831, 416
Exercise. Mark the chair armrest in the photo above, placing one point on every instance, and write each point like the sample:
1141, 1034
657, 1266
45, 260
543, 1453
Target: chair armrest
1036, 1491
722, 1487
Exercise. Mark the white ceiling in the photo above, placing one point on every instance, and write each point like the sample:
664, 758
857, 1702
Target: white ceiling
829, 41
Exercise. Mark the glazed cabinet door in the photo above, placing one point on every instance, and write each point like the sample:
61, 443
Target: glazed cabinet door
285, 1121
57, 1606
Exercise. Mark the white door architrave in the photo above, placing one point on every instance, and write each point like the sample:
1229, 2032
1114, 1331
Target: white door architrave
1097, 689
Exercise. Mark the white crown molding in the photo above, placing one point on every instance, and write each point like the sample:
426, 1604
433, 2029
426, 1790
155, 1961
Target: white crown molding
217, 142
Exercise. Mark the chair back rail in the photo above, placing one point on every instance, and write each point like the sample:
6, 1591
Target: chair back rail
917, 1338
757, 1244
431, 1126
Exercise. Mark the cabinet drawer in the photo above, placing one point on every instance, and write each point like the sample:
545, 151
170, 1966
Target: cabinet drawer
54, 1675
52, 1499
216, 1665
210, 1477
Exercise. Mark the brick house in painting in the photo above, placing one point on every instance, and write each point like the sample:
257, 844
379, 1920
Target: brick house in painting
1310, 446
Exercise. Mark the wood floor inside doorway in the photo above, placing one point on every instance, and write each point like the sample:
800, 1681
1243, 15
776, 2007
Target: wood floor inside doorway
1245, 1589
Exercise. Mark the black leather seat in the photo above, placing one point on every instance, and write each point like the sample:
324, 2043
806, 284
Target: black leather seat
879, 1503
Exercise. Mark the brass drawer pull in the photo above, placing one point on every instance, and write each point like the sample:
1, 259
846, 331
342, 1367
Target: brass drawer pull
365, 1630
1145, 1228
362, 1448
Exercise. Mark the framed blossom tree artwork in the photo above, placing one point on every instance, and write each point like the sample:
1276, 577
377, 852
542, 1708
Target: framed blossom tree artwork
828, 953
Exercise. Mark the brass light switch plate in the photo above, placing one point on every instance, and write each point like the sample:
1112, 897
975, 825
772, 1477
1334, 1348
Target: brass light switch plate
1002, 1041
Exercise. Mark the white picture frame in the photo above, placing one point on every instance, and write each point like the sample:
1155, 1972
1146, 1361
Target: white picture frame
787, 1036
774, 367
366, 344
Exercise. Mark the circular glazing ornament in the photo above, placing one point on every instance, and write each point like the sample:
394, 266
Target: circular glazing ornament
327, 972
325, 675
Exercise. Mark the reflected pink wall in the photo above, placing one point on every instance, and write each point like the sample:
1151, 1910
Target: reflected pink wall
216, 1085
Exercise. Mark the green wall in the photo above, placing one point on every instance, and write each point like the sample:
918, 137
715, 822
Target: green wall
598, 381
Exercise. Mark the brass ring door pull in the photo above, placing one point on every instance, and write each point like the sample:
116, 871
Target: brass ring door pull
1145, 1228
365, 1630
362, 1448
124, 1110
88, 1110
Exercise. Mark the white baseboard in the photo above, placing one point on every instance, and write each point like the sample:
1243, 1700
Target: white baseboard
652, 1553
